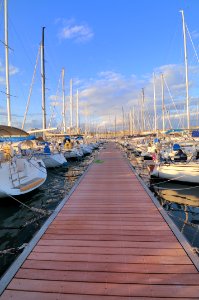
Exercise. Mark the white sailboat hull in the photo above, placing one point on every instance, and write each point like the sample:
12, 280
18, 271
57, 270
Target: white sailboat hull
21, 176
52, 160
86, 149
183, 172
73, 154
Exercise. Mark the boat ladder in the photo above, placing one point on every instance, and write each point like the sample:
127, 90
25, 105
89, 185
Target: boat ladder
15, 175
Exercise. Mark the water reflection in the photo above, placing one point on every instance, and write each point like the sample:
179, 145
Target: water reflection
182, 204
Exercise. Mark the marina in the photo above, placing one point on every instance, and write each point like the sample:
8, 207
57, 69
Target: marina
105, 243
99, 150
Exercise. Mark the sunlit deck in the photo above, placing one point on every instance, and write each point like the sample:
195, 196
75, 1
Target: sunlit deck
109, 241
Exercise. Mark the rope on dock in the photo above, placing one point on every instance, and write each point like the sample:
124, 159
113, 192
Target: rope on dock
181, 189
13, 250
165, 181
33, 209
184, 221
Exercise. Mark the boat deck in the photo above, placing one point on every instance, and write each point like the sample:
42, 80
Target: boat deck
110, 241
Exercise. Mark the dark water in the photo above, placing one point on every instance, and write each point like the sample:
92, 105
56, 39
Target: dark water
182, 204
18, 224
180, 201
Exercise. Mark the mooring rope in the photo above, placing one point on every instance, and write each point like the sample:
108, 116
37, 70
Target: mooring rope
33, 209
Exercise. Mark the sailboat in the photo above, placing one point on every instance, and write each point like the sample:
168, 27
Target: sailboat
181, 170
19, 175
52, 158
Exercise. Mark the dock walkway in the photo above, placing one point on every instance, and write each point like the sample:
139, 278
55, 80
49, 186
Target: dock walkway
108, 242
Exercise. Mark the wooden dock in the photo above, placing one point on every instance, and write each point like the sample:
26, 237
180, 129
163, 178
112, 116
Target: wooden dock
110, 241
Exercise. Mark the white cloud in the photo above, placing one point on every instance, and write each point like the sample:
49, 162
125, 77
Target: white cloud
104, 97
13, 70
195, 34
73, 31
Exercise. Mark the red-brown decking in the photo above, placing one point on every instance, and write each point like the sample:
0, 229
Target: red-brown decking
108, 242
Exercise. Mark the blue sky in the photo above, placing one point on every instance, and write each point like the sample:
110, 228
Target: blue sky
109, 47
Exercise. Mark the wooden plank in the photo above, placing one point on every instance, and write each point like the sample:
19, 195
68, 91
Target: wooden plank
119, 277
108, 237
129, 259
107, 231
109, 250
112, 289
24, 295
109, 267
124, 244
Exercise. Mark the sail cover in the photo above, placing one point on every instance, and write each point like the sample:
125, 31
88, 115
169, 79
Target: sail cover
13, 134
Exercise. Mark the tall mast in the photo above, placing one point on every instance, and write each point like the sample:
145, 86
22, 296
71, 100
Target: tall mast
77, 112
71, 104
163, 106
63, 101
131, 122
186, 70
154, 99
115, 126
43, 81
7, 61
133, 119
142, 111
123, 121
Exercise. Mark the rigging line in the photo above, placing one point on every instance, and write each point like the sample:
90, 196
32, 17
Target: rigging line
192, 43
31, 87
21, 42
154, 184
56, 96
168, 116
32, 156
7, 46
8, 94
51, 57
171, 97
181, 189
54, 114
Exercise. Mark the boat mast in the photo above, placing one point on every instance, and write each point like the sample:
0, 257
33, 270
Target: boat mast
71, 104
7, 61
123, 121
131, 122
43, 81
142, 111
77, 112
133, 119
154, 98
186, 70
163, 106
115, 125
63, 98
